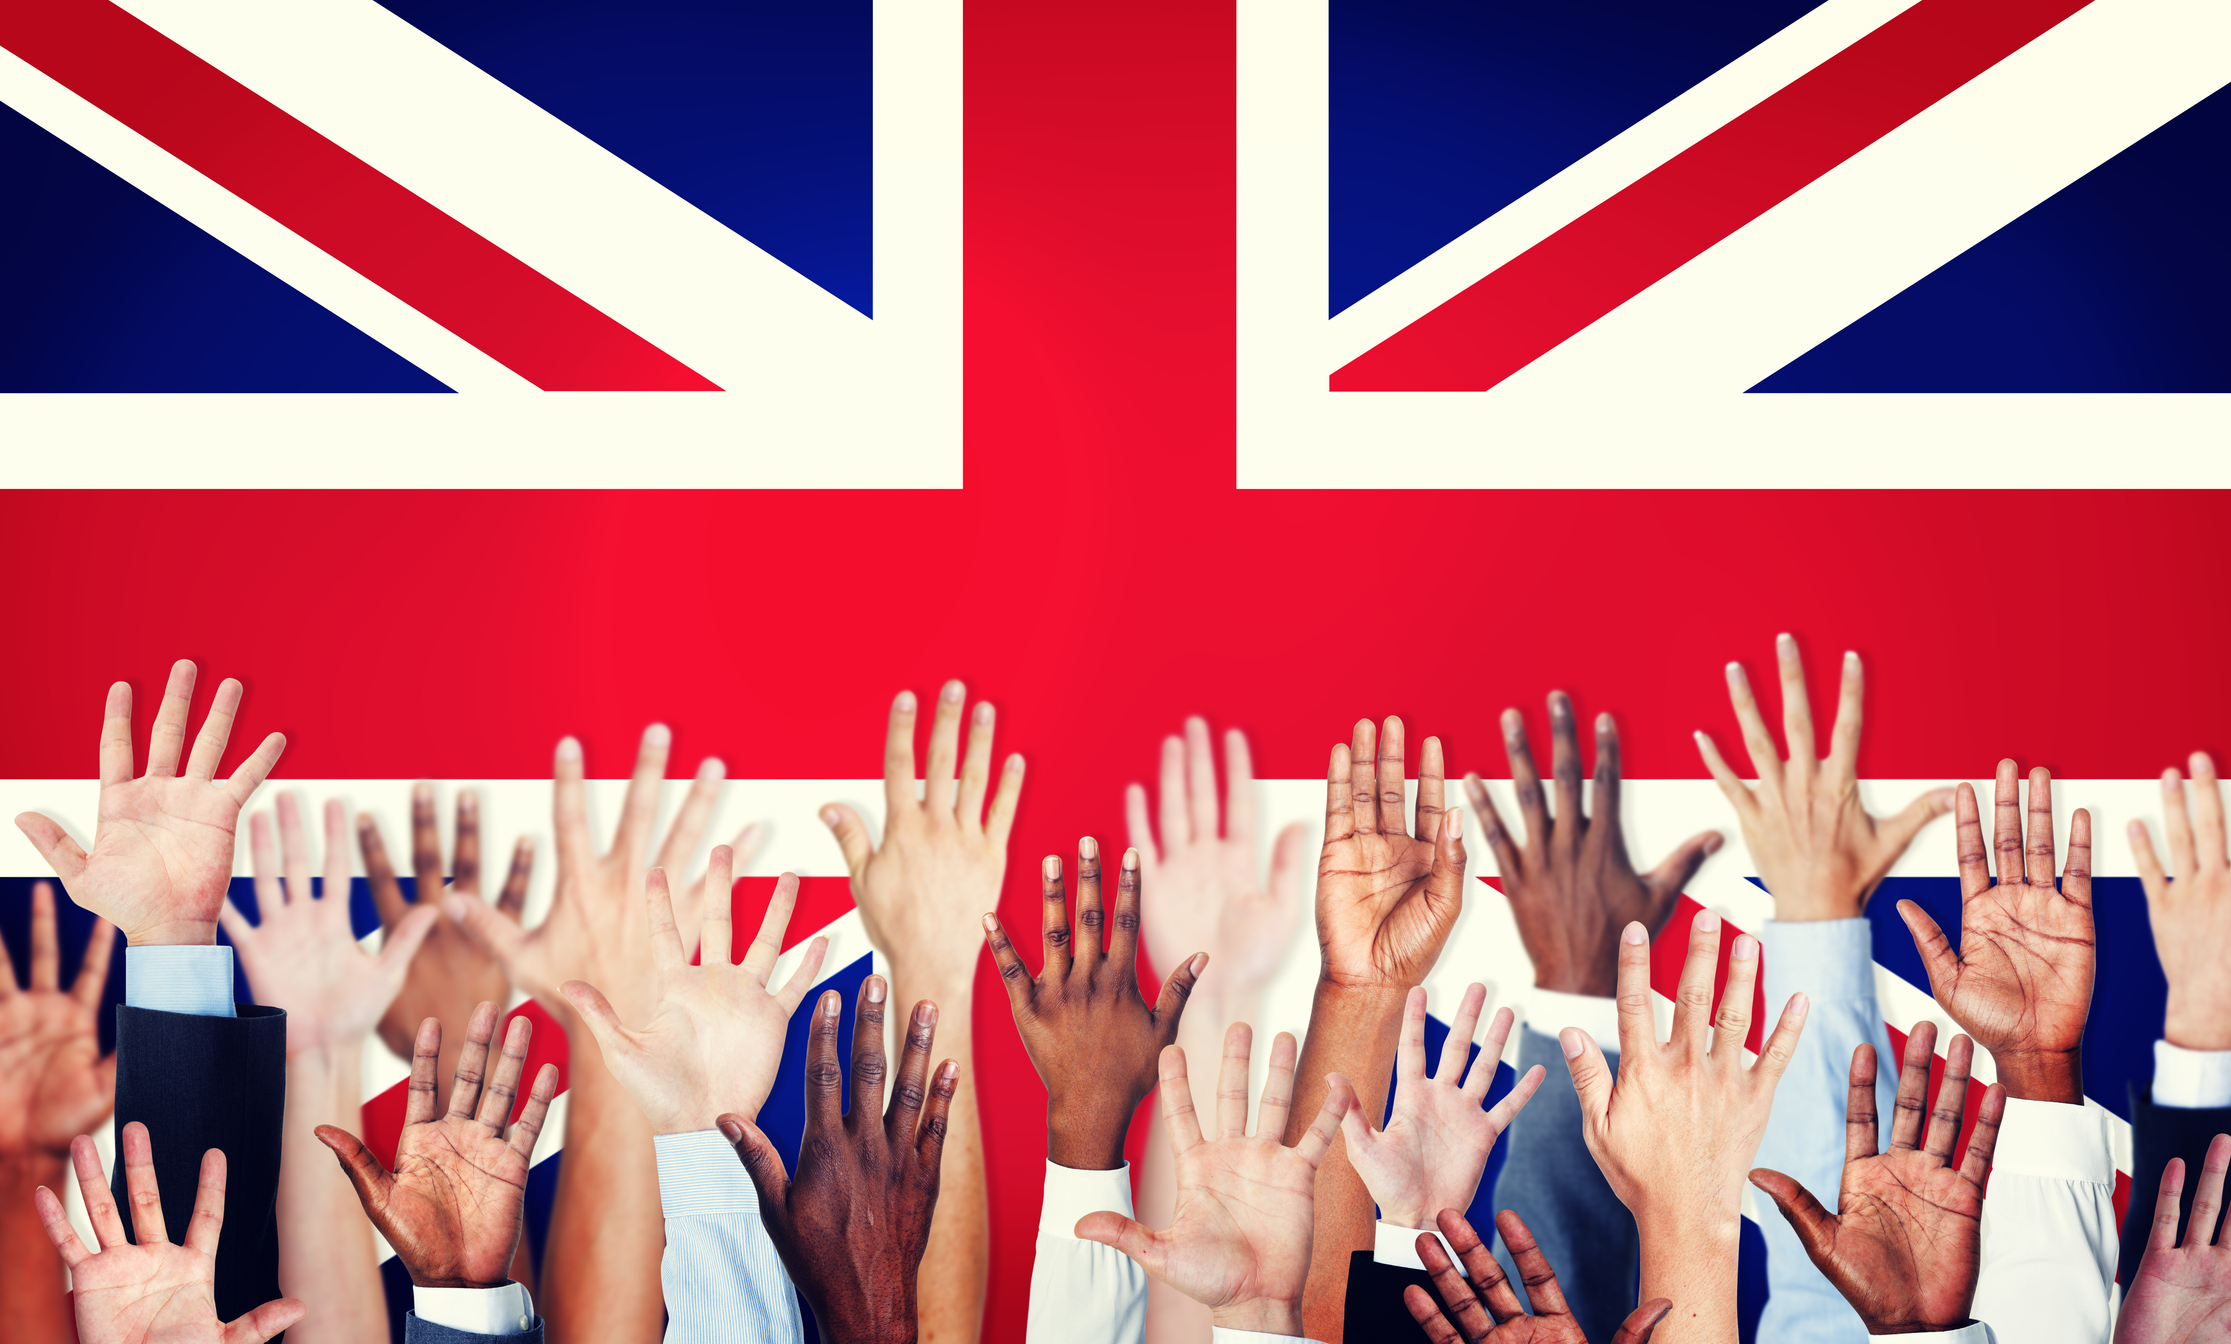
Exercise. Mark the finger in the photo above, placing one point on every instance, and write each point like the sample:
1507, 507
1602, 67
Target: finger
495, 930
1053, 921
766, 945
92, 971
93, 1188
667, 951
1952, 1099
1353, 1123
1091, 917
2076, 873
1975, 1168
1363, 779
1290, 863
794, 989
1670, 878
472, 1062
2037, 844
908, 1096
357, 1163
238, 929
1766, 760
2207, 809
945, 749
716, 939
1564, 768
1239, 789
1734, 1020
216, 731
1737, 793
1797, 709
263, 866
253, 771
426, 1060
116, 737
426, 843
762, 1163
569, 808
1177, 988
2006, 823
1316, 1140
2207, 1197
61, 853
929, 1145
1200, 779
266, 1321
1472, 1249
1606, 800
1428, 1315
1842, 765
1505, 1111
1178, 1116
336, 879
1937, 956
1526, 784
1126, 1235
1409, 1049
208, 1219
503, 1088
1456, 1048
168, 738
1001, 819
1393, 791
1781, 1047
1012, 973
1591, 1075
639, 808
2150, 875
1340, 803
140, 1186
294, 848
1176, 802
1482, 1075
1231, 1083
1135, 822
1862, 1131
2176, 828
1123, 923
851, 834
1898, 829
824, 1075
689, 825
870, 1067
1433, 791
1542, 1292
46, 949
1692, 999
1499, 842
1638, 1027
1476, 1305
976, 766
898, 758
56, 1220
1643, 1322
1815, 1226
528, 1128
2162, 1237
379, 874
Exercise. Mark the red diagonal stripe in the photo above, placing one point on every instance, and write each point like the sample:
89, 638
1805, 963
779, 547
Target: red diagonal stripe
338, 202
1542, 297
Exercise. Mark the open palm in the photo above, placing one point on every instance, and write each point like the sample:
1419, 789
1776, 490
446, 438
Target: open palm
1386, 899
1482, 1308
162, 843
453, 1207
2182, 1294
50, 1044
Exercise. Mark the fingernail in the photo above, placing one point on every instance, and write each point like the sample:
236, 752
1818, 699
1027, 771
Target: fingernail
731, 1131
1570, 1040
1088, 848
1200, 962
830, 817
984, 712
569, 748
454, 907
925, 1014
1746, 947
991, 923
2169, 776
1603, 723
953, 693
1051, 868
903, 702
1701, 739
1713, 842
874, 989
657, 735
1851, 660
1784, 641
1706, 922
1130, 860
830, 1002
949, 1072
422, 792
1799, 1005
712, 767
2201, 765
1635, 936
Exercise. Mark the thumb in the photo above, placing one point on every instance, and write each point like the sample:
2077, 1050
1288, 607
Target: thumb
1815, 1226
364, 1170
1937, 956
1898, 830
1126, 1235
852, 836
761, 1162
265, 1321
1444, 889
1591, 1076
403, 941
497, 933
1353, 1126
1667, 881
597, 1011
1642, 1322
54, 845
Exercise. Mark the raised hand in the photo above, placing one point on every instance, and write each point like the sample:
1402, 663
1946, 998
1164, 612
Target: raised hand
2181, 1294
451, 971
302, 954
1906, 1240
1571, 886
154, 1292
454, 1205
2020, 982
1675, 1136
1246, 1205
1386, 899
1817, 848
54, 1083
1493, 1314
1088, 1031
162, 844
1435, 1146
852, 1225
2192, 914
714, 1041
1202, 890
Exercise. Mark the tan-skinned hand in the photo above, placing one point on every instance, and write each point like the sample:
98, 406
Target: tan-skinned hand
162, 844
2181, 1294
1819, 851
1493, 1314
454, 1207
54, 1083
1906, 1241
1087, 1029
2020, 982
1386, 899
1571, 886
2191, 915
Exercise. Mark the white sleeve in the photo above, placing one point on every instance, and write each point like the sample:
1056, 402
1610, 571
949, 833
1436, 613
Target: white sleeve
1396, 1245
502, 1310
1082, 1292
1973, 1333
2049, 1237
1219, 1335
723, 1279
2191, 1080
1833, 962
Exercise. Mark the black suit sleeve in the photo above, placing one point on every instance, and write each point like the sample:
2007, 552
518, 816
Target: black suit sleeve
210, 1082
1375, 1308
2159, 1133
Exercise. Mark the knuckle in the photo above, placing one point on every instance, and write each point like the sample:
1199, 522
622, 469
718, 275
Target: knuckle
910, 1095
934, 1128
825, 1074
1127, 920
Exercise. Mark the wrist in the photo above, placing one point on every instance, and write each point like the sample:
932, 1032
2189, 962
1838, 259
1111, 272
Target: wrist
1586, 986
173, 933
2048, 1075
2193, 1023
1264, 1315
1091, 1145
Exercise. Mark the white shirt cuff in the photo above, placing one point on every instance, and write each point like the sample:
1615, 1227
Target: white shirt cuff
1395, 1245
2054, 1140
1975, 1332
1550, 1011
195, 979
2191, 1080
1829, 959
502, 1310
1219, 1335
1071, 1193
699, 1173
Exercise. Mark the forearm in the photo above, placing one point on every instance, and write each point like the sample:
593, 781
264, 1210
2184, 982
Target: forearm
950, 1292
600, 1279
1352, 1032
327, 1256
34, 1290
1689, 1257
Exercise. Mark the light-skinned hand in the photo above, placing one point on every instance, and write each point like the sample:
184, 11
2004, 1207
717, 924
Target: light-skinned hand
1088, 1031
2020, 982
154, 1292
2181, 1293
1386, 899
1493, 1314
1906, 1240
1435, 1146
1819, 851
1246, 1204
454, 1206
54, 1083
1571, 885
302, 954
2191, 914
852, 1225
162, 843
714, 1041
1202, 889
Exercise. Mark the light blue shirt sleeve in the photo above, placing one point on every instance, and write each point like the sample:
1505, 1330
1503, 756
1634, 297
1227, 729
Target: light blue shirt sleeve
724, 1281
1833, 962
196, 980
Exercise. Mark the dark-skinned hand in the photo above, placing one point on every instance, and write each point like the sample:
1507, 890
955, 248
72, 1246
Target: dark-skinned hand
1493, 1314
2182, 1294
1386, 899
1907, 1239
1571, 885
1088, 1031
454, 1207
2020, 982
852, 1226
